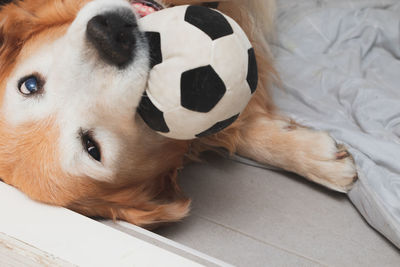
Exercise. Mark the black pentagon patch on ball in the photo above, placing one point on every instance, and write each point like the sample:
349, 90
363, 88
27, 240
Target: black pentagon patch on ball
152, 116
154, 39
201, 89
252, 73
211, 22
218, 126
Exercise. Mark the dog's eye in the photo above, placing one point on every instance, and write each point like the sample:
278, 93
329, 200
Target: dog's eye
30, 85
91, 146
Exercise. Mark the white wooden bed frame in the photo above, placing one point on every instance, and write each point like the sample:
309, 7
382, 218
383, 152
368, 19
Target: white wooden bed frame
34, 234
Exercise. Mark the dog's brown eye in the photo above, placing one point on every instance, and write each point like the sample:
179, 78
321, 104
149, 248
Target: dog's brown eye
91, 146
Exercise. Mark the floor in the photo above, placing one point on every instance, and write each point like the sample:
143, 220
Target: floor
249, 216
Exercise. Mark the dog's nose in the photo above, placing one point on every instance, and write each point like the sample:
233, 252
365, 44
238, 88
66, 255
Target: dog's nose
113, 36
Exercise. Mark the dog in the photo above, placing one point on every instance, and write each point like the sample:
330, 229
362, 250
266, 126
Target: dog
69, 133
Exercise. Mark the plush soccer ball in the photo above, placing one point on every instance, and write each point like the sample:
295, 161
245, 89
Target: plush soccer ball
203, 74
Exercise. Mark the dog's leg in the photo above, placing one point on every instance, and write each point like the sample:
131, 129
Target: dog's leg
312, 154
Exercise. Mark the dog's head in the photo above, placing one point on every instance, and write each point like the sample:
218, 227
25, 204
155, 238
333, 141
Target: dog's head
72, 74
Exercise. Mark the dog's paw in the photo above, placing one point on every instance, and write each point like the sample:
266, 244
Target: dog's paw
327, 163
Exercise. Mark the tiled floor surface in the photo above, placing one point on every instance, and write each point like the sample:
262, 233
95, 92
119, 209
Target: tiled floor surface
248, 216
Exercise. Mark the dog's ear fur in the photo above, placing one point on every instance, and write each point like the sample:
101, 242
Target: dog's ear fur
1, 37
10, 33
147, 205
162, 202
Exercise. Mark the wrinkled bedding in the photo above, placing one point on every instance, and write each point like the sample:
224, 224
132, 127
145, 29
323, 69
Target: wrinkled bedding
339, 61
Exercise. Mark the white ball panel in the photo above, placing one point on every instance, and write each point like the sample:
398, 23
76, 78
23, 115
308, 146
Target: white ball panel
238, 31
183, 40
230, 60
162, 19
180, 40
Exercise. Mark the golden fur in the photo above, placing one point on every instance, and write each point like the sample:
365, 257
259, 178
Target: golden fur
149, 195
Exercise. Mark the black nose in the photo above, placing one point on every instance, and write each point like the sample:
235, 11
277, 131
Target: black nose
113, 36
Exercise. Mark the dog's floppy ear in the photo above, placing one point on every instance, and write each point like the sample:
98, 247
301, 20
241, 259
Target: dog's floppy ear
168, 204
2, 2
146, 205
2, 35
12, 24
154, 214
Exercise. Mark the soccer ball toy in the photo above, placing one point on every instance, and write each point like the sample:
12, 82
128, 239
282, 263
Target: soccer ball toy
203, 72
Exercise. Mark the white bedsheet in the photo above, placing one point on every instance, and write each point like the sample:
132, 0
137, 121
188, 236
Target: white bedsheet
339, 61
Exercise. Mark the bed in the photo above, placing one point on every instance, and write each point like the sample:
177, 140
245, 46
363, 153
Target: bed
340, 66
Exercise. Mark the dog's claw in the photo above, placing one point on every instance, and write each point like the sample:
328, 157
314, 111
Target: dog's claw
342, 155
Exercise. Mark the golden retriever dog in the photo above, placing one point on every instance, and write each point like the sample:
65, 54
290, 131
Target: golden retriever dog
69, 133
